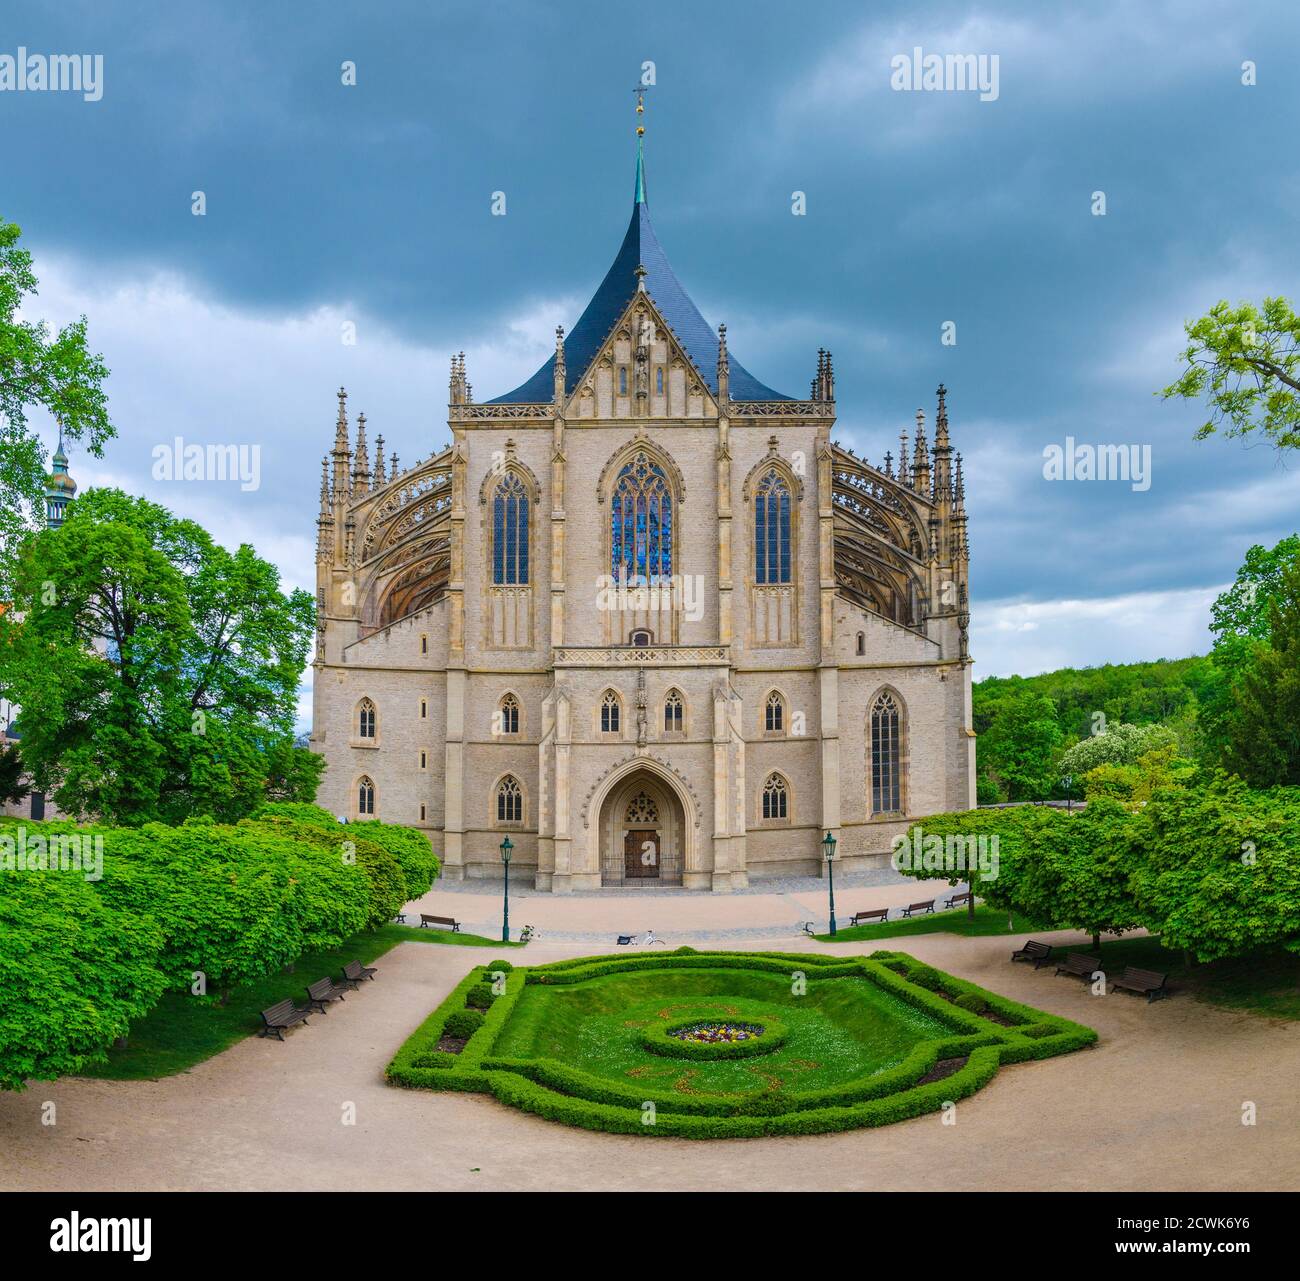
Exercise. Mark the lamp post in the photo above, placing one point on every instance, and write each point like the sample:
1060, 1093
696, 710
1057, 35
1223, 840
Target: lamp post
828, 844
506, 847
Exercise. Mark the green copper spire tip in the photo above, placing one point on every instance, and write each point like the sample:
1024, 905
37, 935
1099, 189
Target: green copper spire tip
640, 170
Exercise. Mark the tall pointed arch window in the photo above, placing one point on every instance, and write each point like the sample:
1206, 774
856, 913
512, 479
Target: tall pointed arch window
673, 713
772, 562
510, 532
365, 798
366, 719
886, 781
774, 714
509, 715
641, 525
610, 713
776, 798
510, 800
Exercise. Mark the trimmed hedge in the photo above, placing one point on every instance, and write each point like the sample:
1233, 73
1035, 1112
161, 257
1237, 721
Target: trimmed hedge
560, 1092
658, 1039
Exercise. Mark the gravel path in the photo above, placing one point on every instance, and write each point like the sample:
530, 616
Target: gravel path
1156, 1105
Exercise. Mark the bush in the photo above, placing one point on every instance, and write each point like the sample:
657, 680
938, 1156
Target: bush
504, 966
925, 976
462, 1023
972, 1002
435, 1059
480, 996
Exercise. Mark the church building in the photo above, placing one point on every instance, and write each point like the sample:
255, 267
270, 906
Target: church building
642, 616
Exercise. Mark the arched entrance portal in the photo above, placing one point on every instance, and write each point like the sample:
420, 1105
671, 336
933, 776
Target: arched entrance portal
642, 833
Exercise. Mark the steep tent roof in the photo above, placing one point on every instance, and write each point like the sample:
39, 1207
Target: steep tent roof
700, 341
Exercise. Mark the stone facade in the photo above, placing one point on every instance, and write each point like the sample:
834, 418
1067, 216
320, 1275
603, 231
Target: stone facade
654, 632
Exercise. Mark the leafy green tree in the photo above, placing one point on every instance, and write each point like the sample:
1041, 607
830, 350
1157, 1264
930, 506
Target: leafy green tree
1120, 745
157, 671
1020, 747
1218, 868
1263, 724
12, 785
54, 371
1245, 361
74, 973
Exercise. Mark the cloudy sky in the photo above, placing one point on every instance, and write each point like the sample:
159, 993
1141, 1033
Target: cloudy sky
371, 205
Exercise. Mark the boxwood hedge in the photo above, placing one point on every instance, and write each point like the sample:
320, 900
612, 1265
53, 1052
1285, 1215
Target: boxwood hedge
561, 1092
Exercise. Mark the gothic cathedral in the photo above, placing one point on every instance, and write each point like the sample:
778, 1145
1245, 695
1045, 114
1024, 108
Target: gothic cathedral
643, 616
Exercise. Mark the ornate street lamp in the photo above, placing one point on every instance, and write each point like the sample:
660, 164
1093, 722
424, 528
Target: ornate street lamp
506, 847
828, 846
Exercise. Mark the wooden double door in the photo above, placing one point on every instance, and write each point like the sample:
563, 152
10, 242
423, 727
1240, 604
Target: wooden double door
641, 854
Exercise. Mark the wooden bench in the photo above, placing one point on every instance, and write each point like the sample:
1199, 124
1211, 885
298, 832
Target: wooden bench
1083, 967
426, 921
959, 900
875, 914
354, 972
923, 908
323, 991
625, 939
1039, 953
281, 1015
1148, 981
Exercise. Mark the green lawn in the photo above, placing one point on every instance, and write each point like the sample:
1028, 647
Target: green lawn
987, 920
836, 1032
182, 1031
1268, 983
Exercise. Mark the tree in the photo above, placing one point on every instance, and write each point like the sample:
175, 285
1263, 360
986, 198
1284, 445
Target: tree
12, 785
1120, 745
1246, 361
1020, 748
1262, 725
57, 372
157, 671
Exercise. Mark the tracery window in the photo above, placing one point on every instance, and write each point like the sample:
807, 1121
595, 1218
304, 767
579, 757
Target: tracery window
510, 531
610, 713
509, 715
641, 525
510, 800
775, 797
641, 809
772, 530
886, 789
365, 797
366, 719
673, 712
774, 714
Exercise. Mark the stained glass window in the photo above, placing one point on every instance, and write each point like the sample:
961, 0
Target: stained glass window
886, 792
641, 526
609, 713
775, 797
510, 801
772, 530
510, 532
673, 712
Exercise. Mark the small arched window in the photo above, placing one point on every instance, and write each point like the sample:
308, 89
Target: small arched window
509, 715
673, 713
659, 381
510, 531
775, 798
510, 800
622, 380
366, 719
610, 709
772, 530
886, 785
862, 642
641, 638
774, 714
365, 798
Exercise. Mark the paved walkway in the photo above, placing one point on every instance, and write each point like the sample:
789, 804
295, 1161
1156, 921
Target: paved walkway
767, 910
1156, 1105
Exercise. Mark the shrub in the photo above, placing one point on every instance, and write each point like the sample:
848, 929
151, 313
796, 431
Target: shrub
435, 1059
480, 996
925, 976
971, 1001
462, 1023
504, 966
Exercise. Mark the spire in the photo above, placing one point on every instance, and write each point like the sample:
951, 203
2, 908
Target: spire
724, 366
639, 198
60, 489
920, 457
380, 479
361, 462
823, 386
942, 451
342, 485
458, 388
902, 457
393, 471
560, 372
325, 521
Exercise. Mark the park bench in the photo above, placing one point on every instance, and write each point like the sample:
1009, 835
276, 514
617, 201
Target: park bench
1083, 967
1039, 953
354, 972
873, 914
625, 939
959, 900
323, 991
426, 921
400, 919
923, 908
1147, 981
281, 1015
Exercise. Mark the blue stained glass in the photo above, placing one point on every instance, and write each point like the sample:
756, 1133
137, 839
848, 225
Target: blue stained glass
760, 538
511, 517
785, 535
498, 540
522, 575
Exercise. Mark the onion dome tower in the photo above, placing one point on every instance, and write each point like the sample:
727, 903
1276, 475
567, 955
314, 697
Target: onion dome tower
60, 489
